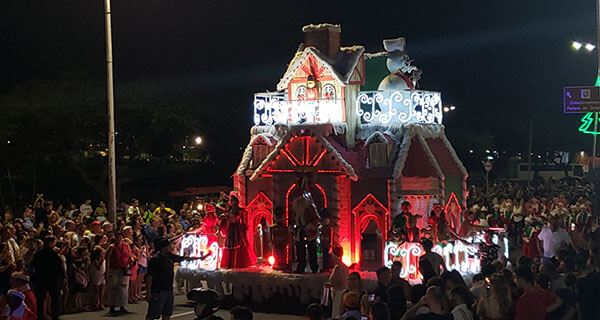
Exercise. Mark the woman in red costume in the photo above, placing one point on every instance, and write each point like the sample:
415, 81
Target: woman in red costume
237, 252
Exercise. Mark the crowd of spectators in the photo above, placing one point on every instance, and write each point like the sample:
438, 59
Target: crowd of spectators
67, 260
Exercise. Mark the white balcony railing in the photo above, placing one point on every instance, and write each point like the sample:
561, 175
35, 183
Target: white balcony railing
275, 108
406, 106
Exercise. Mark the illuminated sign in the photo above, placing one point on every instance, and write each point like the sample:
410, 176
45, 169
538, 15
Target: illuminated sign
406, 106
197, 245
581, 99
275, 108
458, 255
588, 120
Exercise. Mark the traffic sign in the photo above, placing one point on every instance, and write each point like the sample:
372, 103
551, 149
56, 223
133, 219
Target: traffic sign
487, 166
581, 99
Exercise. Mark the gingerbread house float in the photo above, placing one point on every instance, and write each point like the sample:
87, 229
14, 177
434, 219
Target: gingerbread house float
365, 140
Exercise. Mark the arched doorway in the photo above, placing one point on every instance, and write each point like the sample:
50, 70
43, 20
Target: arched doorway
260, 218
372, 234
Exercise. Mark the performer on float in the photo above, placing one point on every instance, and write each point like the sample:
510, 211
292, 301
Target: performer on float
307, 231
488, 250
237, 252
209, 223
280, 239
400, 221
326, 239
453, 216
413, 233
436, 217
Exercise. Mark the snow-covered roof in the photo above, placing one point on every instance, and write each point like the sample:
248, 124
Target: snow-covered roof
267, 137
341, 66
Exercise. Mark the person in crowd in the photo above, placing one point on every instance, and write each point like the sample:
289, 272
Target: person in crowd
396, 301
134, 209
48, 277
384, 278
152, 229
431, 264
488, 250
159, 280
338, 280
552, 239
97, 278
100, 212
351, 303
535, 302
20, 281
86, 208
16, 309
497, 305
117, 280
397, 280
379, 311
143, 254
314, 312
241, 313
467, 227
354, 285
461, 301
433, 300
557, 280
480, 287
207, 302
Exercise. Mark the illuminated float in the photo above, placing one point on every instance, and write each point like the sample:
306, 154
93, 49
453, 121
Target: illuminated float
360, 138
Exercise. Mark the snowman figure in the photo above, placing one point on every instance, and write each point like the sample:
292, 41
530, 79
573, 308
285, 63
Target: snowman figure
403, 75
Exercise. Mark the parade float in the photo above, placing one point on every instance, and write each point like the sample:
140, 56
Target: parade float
355, 131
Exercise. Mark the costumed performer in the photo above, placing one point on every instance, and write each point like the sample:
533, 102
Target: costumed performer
237, 252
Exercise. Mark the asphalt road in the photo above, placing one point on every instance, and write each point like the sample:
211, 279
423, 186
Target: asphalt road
138, 311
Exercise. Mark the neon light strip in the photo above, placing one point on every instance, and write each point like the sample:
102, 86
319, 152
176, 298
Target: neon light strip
306, 154
290, 156
322, 192
281, 170
317, 158
329, 171
287, 204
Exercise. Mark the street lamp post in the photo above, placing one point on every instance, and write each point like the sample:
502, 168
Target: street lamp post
112, 179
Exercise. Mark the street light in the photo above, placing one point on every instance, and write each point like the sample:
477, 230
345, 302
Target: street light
112, 168
449, 108
589, 47
198, 140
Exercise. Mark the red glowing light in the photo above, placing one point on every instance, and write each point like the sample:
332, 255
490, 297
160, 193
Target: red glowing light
271, 261
324, 195
315, 161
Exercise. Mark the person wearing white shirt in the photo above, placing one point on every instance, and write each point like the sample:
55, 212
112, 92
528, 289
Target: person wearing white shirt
552, 239
86, 208
460, 298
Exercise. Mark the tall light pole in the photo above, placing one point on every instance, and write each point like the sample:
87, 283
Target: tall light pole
112, 179
597, 80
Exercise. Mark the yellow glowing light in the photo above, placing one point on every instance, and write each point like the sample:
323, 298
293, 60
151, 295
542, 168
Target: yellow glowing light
271, 260
200, 206
346, 259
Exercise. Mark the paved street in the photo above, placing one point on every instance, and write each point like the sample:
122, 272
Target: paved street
138, 311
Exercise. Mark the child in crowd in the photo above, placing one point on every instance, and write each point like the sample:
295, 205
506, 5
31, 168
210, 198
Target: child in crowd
97, 281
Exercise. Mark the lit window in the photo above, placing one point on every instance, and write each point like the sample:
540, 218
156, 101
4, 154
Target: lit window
328, 92
301, 93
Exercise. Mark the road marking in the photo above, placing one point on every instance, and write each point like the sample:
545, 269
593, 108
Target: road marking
182, 314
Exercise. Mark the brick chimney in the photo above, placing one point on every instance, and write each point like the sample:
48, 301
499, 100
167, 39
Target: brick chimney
325, 37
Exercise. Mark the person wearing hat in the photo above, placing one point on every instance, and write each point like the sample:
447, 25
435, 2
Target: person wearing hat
206, 303
351, 302
20, 281
159, 279
16, 308
96, 228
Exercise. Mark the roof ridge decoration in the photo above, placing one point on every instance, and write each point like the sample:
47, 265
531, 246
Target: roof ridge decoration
247, 155
321, 26
322, 59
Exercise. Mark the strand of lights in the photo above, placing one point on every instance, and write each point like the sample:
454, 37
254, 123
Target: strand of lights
273, 108
408, 106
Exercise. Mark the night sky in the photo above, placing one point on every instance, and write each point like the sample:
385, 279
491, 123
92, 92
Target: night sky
497, 61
